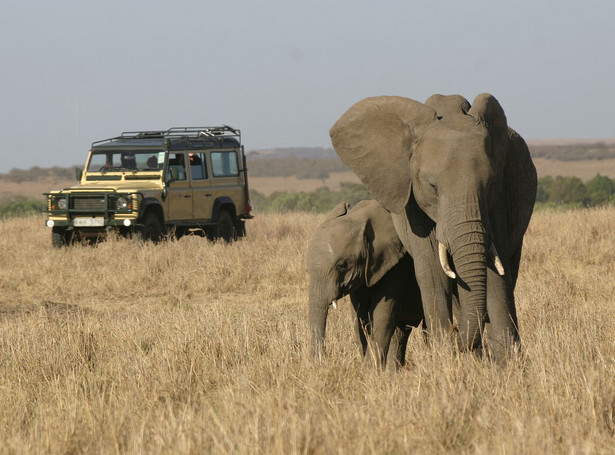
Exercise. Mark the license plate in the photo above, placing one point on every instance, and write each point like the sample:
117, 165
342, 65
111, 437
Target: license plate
89, 222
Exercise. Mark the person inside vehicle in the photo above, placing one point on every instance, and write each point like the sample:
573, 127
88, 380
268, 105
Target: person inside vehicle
194, 159
128, 161
152, 162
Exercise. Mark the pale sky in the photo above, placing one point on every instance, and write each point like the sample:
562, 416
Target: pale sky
76, 71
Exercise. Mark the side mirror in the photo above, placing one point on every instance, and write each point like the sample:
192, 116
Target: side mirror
78, 173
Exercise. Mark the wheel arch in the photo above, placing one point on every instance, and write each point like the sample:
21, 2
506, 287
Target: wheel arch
224, 203
151, 205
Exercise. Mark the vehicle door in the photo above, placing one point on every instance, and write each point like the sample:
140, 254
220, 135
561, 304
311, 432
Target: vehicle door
179, 191
201, 186
226, 180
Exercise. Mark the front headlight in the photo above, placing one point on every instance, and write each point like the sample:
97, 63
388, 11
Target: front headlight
62, 203
121, 203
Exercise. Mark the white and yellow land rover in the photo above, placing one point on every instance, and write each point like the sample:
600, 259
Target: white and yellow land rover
150, 183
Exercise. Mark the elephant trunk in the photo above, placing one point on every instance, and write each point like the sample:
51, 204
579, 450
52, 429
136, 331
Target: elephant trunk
319, 303
470, 254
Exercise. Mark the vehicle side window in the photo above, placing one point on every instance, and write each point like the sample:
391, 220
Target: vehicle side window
197, 166
224, 164
176, 162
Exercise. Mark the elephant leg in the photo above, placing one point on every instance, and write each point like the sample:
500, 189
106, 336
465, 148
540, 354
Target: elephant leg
434, 285
502, 331
395, 298
383, 319
361, 307
396, 357
436, 298
514, 274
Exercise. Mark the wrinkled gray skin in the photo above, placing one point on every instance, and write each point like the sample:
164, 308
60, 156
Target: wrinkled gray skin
454, 174
358, 252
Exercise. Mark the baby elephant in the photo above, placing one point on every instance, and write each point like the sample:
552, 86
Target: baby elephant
357, 252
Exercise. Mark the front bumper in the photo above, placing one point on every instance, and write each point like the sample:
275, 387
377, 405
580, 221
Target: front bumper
77, 223
93, 210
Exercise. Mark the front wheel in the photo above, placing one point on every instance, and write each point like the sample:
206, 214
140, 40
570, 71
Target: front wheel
151, 229
61, 237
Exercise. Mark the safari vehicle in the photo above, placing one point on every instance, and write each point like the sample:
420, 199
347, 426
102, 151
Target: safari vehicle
150, 183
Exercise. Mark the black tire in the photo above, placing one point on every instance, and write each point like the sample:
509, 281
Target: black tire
240, 229
60, 237
225, 228
151, 229
57, 237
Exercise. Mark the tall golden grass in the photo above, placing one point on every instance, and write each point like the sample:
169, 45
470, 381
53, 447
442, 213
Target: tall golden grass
195, 347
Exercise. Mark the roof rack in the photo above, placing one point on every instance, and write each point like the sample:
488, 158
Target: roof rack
187, 132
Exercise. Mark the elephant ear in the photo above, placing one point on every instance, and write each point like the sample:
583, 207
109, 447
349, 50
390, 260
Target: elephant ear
375, 138
487, 110
340, 209
520, 182
489, 113
514, 164
384, 248
446, 105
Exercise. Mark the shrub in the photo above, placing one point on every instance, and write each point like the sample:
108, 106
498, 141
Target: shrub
21, 208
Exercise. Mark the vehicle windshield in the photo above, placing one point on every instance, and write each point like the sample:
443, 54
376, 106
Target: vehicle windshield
126, 161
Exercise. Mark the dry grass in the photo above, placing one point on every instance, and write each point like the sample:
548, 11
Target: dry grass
193, 347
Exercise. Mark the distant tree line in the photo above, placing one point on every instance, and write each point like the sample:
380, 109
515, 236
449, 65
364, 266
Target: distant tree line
302, 168
552, 192
37, 173
321, 200
319, 163
571, 191
574, 152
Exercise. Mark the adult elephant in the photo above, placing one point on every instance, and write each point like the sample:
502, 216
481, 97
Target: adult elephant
358, 252
460, 184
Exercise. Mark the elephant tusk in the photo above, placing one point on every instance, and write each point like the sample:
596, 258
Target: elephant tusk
334, 304
496, 260
444, 261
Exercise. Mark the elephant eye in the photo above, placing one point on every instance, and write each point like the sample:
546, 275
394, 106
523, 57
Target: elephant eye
341, 266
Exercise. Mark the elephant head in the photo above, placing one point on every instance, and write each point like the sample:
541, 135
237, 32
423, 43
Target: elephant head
349, 250
461, 185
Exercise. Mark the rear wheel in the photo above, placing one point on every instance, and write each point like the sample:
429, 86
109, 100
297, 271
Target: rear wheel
240, 229
225, 228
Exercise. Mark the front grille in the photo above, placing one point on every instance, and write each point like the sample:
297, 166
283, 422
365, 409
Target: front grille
92, 202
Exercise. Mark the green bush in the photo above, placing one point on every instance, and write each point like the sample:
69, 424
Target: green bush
572, 192
568, 190
23, 207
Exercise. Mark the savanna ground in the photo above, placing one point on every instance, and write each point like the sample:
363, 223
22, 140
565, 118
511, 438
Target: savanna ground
194, 347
